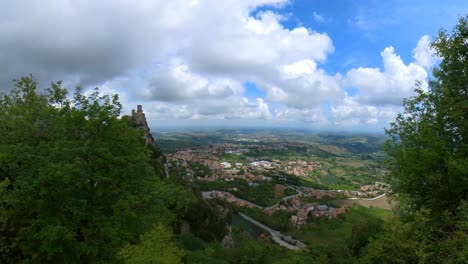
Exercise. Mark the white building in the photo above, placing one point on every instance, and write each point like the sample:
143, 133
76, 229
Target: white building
226, 165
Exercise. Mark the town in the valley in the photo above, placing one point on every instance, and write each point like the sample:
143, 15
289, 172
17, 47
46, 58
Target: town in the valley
282, 183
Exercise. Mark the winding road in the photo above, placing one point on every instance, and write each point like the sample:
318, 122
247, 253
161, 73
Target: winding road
281, 239
277, 236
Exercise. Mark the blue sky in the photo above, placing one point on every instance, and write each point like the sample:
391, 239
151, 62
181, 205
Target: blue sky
360, 30
332, 65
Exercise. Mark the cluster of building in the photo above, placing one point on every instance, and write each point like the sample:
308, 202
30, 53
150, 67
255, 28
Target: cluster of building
246, 176
230, 198
207, 156
263, 164
293, 205
236, 151
203, 157
316, 211
301, 168
318, 193
298, 168
374, 189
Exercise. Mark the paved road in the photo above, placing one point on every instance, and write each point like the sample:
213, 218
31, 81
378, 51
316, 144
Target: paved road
297, 189
283, 240
367, 199
282, 199
278, 237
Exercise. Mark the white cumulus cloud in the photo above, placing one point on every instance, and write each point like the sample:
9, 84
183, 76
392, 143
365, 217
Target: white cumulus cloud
190, 59
423, 54
387, 86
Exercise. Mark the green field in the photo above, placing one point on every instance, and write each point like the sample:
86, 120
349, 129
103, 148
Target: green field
338, 231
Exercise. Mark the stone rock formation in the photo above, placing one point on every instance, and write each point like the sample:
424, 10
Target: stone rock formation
138, 120
228, 241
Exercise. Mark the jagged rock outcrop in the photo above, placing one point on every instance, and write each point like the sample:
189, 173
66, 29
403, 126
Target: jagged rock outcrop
228, 241
138, 120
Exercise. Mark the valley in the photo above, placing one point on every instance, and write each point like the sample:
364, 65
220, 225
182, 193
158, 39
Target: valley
292, 188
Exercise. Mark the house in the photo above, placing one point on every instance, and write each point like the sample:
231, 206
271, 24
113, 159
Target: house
266, 178
309, 207
366, 188
322, 207
226, 165
294, 219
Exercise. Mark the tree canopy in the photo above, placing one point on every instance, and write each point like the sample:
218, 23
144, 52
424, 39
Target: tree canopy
429, 141
428, 150
76, 182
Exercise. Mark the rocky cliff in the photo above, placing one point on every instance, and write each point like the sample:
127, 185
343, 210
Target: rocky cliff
138, 120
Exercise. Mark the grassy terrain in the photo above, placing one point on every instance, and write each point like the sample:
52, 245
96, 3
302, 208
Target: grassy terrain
281, 154
338, 231
383, 202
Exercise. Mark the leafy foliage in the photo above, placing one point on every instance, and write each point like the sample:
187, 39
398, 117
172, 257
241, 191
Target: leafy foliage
420, 241
156, 247
429, 167
429, 142
75, 180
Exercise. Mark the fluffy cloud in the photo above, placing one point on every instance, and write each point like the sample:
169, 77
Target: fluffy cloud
75, 39
83, 42
232, 108
189, 59
311, 115
84, 38
247, 45
351, 113
302, 85
423, 54
381, 91
395, 82
178, 83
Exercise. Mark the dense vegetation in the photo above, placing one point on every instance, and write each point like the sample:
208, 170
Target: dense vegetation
76, 181
78, 185
429, 165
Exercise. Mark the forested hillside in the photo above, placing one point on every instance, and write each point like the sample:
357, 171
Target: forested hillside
78, 184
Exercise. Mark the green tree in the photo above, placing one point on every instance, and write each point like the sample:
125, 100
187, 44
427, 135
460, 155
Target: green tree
76, 181
362, 232
428, 147
429, 141
399, 243
420, 241
155, 247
